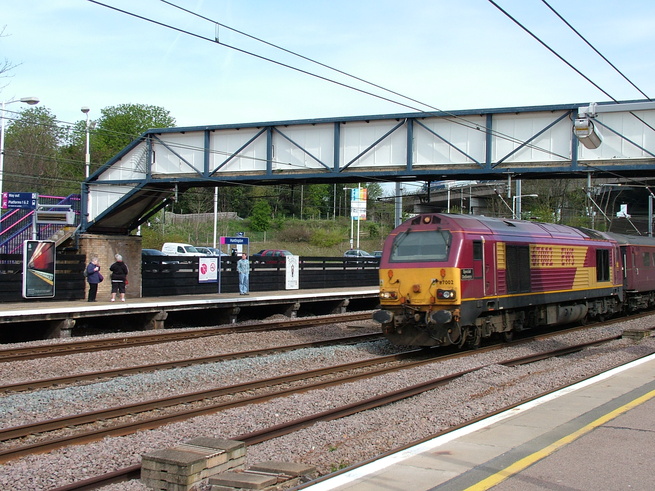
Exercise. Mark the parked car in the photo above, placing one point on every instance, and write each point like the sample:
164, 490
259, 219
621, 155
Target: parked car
146, 253
179, 249
361, 256
377, 253
356, 253
210, 251
267, 256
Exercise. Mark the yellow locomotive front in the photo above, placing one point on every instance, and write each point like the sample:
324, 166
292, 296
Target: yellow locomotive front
420, 285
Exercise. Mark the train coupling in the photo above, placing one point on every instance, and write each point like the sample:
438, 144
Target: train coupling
383, 316
440, 317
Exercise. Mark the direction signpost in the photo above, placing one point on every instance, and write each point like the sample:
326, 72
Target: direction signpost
25, 201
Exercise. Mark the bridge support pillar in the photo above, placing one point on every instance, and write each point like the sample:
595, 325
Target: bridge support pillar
293, 309
61, 329
156, 321
234, 312
341, 307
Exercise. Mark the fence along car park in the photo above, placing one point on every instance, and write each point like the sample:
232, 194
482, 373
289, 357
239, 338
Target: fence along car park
271, 256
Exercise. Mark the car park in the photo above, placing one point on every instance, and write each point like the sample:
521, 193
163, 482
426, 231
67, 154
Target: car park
210, 251
356, 253
269, 256
179, 249
152, 256
361, 255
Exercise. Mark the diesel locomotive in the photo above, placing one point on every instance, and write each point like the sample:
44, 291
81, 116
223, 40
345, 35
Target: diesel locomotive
450, 279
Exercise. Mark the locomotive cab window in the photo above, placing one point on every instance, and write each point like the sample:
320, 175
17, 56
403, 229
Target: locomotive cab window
646, 256
477, 250
602, 265
424, 246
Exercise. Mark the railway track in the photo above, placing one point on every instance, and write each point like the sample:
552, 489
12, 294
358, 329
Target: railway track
35, 352
119, 372
133, 472
384, 364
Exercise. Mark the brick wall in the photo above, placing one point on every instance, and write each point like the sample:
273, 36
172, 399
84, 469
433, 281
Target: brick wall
106, 247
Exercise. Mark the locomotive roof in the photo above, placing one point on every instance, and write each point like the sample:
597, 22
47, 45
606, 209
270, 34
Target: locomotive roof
504, 226
624, 239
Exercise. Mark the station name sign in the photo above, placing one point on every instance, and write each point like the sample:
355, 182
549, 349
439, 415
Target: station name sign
234, 240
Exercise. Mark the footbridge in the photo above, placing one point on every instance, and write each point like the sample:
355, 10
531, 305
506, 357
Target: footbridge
567, 140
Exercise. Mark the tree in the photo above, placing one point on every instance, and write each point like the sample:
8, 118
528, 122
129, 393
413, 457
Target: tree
32, 162
260, 219
119, 125
5, 65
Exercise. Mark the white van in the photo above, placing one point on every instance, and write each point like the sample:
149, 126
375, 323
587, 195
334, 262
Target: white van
178, 249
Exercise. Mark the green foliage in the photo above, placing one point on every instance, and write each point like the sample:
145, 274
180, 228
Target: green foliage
31, 159
297, 232
260, 220
121, 124
374, 229
339, 466
326, 238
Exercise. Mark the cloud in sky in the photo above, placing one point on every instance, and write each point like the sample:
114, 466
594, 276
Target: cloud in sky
448, 55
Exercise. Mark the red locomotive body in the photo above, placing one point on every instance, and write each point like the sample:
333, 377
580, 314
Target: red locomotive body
455, 279
638, 260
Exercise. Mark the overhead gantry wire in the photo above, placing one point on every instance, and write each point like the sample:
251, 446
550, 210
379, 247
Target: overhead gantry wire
306, 58
264, 58
645, 123
507, 14
449, 116
595, 50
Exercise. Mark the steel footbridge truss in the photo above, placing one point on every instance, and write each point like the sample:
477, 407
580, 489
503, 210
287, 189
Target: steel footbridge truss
616, 139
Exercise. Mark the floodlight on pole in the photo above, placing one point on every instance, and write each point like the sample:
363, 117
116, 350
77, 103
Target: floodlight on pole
27, 100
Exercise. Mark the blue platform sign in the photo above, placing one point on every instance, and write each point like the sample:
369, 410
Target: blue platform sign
26, 201
234, 240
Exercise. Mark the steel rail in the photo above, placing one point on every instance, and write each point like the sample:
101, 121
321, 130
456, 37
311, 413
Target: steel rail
339, 412
24, 431
59, 381
33, 352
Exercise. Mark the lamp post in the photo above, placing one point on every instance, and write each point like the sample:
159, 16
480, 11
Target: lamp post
27, 100
87, 155
516, 204
349, 190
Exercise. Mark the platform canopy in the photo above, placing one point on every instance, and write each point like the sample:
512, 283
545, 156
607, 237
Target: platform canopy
537, 142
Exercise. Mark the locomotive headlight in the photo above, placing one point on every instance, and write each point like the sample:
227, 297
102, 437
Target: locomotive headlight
446, 294
389, 295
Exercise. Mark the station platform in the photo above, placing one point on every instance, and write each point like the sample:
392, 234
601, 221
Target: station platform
155, 312
597, 434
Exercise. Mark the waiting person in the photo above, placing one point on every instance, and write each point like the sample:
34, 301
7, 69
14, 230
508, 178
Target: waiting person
94, 277
243, 267
119, 273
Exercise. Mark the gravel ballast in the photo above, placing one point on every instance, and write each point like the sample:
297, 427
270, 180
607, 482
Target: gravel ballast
328, 446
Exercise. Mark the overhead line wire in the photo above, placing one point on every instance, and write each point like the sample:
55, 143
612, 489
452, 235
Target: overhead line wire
595, 50
551, 50
450, 116
302, 56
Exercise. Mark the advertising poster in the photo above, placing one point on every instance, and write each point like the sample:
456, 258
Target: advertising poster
292, 273
207, 270
38, 268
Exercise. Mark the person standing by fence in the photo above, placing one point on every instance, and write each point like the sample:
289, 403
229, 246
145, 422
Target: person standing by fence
94, 277
243, 268
119, 273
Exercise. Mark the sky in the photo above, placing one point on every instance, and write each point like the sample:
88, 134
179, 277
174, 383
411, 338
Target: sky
448, 55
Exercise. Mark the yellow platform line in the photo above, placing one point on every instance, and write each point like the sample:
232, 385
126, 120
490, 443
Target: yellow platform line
527, 461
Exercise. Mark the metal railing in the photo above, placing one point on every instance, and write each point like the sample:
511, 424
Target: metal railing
16, 225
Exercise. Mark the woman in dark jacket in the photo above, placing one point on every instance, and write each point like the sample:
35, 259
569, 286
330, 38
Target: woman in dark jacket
94, 277
118, 278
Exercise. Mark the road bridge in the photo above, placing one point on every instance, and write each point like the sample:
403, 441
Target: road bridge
567, 140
